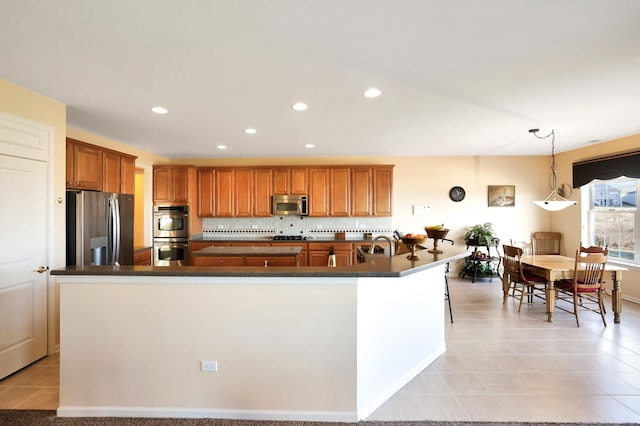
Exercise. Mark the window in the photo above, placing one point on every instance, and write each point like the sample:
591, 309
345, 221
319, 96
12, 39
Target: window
611, 217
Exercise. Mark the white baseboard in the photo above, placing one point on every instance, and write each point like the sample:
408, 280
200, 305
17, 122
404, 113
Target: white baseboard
199, 413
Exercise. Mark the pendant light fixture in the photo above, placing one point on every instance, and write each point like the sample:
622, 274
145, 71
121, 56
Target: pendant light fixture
554, 201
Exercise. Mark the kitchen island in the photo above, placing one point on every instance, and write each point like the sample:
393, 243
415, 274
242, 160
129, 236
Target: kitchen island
286, 343
246, 256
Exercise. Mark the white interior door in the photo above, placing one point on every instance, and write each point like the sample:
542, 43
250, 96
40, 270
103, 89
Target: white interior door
23, 248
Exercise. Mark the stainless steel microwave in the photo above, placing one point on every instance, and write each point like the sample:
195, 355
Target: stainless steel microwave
291, 204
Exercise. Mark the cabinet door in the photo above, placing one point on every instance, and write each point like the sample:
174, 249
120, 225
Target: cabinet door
142, 257
127, 175
318, 192
87, 167
69, 179
299, 178
243, 183
180, 185
111, 172
224, 193
206, 192
361, 192
343, 257
161, 185
382, 187
281, 181
340, 191
262, 192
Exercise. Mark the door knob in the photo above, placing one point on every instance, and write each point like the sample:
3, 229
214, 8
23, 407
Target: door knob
41, 269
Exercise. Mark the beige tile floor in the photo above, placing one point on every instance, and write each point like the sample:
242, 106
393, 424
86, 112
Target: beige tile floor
33, 387
499, 366
502, 365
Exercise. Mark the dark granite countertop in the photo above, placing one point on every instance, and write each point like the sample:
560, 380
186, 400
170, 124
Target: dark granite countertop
377, 266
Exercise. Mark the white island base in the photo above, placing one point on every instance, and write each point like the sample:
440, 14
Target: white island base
286, 348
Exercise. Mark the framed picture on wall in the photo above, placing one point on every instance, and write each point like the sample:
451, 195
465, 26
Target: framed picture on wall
502, 195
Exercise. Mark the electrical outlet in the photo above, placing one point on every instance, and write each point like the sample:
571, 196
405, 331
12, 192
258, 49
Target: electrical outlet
208, 365
254, 226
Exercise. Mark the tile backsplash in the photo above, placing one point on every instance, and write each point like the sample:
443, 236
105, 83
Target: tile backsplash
310, 227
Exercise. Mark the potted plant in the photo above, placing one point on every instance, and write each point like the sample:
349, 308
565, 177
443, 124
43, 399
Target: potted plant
481, 235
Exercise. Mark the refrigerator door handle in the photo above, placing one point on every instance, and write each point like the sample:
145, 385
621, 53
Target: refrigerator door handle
116, 234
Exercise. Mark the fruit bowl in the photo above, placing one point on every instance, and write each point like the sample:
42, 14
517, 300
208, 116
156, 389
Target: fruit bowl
411, 243
437, 235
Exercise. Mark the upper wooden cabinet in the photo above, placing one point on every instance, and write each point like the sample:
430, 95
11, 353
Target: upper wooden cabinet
319, 191
262, 192
290, 180
361, 191
173, 184
382, 191
100, 169
243, 192
371, 190
340, 191
206, 192
128, 174
84, 166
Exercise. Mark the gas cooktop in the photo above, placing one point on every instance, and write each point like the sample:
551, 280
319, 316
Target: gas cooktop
289, 237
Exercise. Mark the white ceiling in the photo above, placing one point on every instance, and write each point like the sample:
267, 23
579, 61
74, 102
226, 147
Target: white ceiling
460, 77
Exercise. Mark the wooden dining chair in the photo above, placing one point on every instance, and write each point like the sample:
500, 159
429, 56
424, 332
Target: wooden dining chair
520, 280
586, 288
546, 242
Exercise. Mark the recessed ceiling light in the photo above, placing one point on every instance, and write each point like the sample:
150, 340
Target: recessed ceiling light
309, 145
299, 106
250, 131
221, 147
159, 110
372, 92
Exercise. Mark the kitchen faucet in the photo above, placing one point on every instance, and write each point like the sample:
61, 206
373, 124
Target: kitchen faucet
383, 237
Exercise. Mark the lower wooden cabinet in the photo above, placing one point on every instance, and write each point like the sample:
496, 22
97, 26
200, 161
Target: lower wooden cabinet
217, 261
319, 253
143, 256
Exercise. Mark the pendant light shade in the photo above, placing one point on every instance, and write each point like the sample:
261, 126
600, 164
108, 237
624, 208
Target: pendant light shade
554, 202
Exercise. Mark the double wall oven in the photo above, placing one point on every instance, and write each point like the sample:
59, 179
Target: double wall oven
171, 235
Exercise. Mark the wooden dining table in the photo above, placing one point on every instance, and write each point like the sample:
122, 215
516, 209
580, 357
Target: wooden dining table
557, 267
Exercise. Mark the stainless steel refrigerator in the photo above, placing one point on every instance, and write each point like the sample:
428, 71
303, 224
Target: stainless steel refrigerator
99, 228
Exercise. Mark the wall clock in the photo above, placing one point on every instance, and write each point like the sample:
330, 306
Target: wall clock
457, 193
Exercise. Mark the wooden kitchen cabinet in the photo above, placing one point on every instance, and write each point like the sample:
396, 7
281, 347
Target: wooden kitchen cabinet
340, 191
318, 254
271, 261
262, 192
118, 173
172, 184
382, 190
243, 192
84, 166
127, 174
319, 191
361, 191
290, 180
217, 261
206, 192
111, 172
224, 188
143, 256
